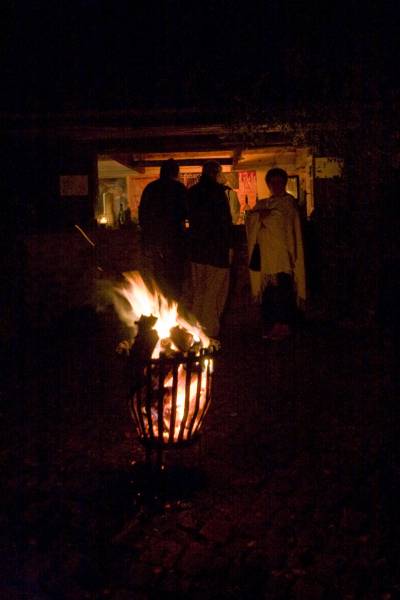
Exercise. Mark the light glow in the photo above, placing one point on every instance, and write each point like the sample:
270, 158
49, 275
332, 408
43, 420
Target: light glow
134, 299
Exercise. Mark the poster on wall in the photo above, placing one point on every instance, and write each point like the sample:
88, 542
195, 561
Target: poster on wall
113, 207
247, 188
328, 167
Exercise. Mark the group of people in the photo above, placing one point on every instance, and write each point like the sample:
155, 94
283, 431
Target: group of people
187, 239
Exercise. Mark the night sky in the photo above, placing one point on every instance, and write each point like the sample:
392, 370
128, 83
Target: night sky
113, 55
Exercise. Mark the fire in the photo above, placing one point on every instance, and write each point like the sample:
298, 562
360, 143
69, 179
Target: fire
183, 390
180, 402
143, 301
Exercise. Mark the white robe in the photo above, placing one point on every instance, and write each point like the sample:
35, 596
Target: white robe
281, 244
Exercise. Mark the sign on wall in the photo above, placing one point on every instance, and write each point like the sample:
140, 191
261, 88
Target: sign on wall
327, 167
74, 185
247, 188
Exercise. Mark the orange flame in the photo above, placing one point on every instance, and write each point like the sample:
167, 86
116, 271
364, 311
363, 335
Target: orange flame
145, 302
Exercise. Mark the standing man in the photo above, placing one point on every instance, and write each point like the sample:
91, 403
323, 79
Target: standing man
210, 236
162, 214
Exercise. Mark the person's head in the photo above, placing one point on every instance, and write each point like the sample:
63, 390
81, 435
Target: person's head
169, 169
276, 181
211, 170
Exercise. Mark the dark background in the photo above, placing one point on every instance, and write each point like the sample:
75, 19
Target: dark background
103, 55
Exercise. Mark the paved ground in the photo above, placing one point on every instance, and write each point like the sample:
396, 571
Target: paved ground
295, 494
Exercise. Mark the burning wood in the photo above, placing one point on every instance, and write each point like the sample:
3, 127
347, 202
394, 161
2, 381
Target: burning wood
171, 360
135, 302
182, 339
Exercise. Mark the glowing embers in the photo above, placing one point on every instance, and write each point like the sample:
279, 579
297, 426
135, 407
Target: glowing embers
170, 405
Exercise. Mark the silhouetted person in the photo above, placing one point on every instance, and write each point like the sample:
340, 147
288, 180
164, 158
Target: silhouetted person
210, 237
162, 214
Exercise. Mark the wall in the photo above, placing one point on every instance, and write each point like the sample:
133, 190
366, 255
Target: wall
30, 184
59, 271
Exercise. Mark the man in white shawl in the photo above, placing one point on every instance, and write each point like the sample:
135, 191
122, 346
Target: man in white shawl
276, 255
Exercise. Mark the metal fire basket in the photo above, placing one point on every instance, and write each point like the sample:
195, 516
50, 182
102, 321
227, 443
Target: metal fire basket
172, 398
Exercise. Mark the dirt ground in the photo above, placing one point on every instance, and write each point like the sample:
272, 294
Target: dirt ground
294, 492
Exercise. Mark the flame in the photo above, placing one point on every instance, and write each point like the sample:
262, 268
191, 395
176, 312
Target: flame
181, 393
143, 301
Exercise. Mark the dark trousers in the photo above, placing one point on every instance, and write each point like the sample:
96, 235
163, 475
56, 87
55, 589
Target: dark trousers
166, 266
278, 303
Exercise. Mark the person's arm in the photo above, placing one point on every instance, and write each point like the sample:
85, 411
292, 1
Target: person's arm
234, 206
183, 205
226, 217
226, 221
143, 211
